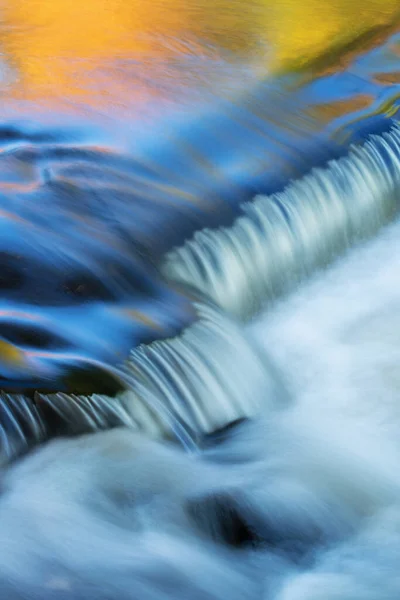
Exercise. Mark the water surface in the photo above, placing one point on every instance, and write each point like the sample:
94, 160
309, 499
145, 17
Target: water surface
125, 129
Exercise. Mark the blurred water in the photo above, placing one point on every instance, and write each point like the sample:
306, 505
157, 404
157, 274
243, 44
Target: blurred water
301, 503
124, 129
123, 132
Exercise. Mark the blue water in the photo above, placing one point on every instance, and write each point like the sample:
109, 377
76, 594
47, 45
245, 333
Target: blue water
89, 209
253, 461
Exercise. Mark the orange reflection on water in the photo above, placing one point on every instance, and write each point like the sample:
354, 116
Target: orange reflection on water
327, 112
71, 48
105, 51
388, 78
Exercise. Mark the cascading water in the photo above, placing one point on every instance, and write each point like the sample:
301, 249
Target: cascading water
299, 501
185, 386
209, 376
283, 238
225, 457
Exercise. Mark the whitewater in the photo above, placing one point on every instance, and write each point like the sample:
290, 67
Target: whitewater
285, 484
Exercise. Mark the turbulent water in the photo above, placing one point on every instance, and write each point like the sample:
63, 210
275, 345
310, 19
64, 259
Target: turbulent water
300, 503
280, 477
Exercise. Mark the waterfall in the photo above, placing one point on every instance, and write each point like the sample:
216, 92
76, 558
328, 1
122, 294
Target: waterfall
213, 373
283, 238
209, 376
190, 385
301, 502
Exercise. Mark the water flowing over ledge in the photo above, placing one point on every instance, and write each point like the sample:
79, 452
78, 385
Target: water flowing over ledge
299, 503
209, 376
119, 515
284, 237
212, 373
183, 387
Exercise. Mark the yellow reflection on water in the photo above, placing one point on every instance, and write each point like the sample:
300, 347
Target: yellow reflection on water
58, 46
303, 30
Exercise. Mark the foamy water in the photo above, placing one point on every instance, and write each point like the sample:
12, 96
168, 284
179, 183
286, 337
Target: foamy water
301, 502
337, 343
